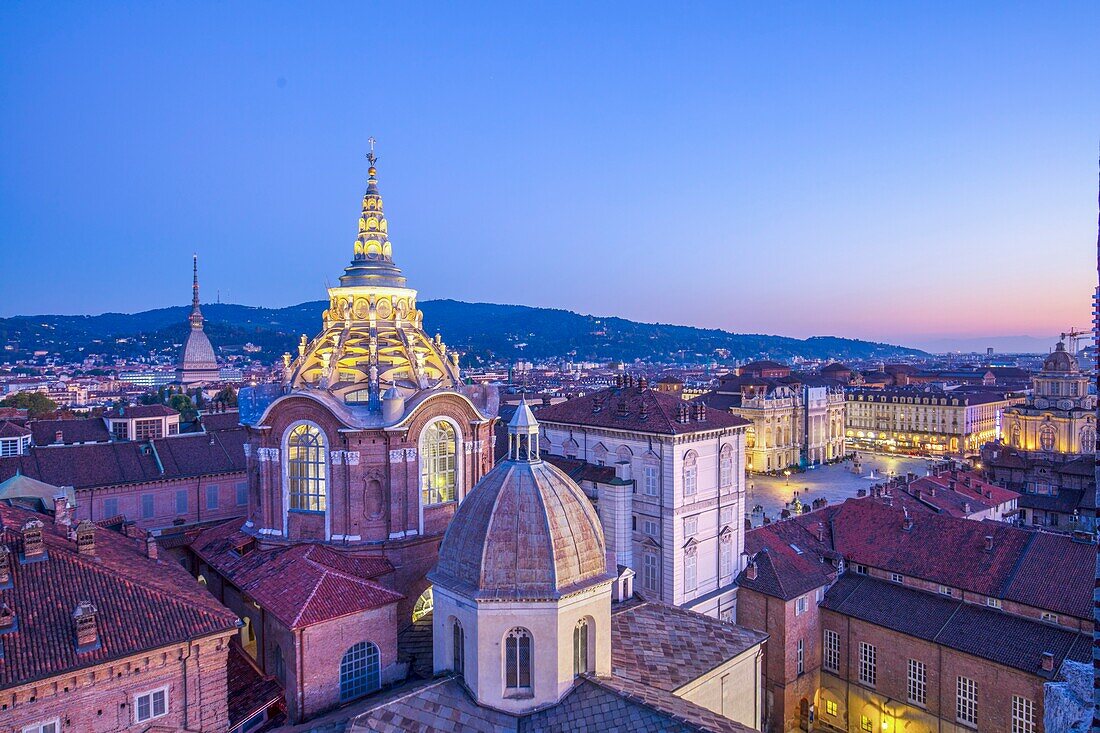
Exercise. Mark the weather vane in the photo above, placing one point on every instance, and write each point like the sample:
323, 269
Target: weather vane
370, 156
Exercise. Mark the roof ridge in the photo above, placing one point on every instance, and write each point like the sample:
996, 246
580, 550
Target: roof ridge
326, 568
307, 601
947, 622
1011, 577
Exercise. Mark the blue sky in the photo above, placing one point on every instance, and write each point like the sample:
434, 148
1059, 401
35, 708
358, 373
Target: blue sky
905, 172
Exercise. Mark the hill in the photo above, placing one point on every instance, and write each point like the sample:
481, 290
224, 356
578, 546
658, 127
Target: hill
483, 331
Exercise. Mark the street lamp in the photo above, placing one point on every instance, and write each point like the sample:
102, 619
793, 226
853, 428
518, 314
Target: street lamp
787, 474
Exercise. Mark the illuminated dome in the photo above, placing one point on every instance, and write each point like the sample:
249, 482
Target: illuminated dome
373, 338
1060, 360
526, 531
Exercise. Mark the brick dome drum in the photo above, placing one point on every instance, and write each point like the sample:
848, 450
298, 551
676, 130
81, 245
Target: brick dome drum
525, 532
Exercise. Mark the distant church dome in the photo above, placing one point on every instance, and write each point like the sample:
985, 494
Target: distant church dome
525, 532
197, 363
1060, 360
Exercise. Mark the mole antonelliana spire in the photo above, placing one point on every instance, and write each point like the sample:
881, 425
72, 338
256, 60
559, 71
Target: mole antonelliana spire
197, 363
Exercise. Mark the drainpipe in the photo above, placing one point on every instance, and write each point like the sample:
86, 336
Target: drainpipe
301, 672
347, 492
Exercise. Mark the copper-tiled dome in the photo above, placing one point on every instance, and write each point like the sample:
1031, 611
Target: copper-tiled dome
526, 531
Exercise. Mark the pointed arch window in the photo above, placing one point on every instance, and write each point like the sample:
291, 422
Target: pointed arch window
360, 671
458, 649
580, 647
438, 463
517, 659
306, 468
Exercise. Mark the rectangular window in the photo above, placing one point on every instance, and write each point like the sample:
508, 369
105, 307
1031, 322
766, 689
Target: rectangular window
725, 515
121, 430
649, 574
725, 557
690, 579
151, 705
148, 429
242, 493
966, 701
691, 526
993, 602
945, 591
211, 497
1023, 715
831, 657
181, 501
860, 569
897, 578
1050, 617
867, 671
649, 527
110, 508
690, 481
147, 506
49, 726
830, 708
917, 683
865, 723
650, 480
800, 606
801, 656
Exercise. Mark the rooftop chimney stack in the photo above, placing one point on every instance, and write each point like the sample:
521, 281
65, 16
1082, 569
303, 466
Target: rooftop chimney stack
1047, 661
87, 633
150, 547
989, 543
5, 567
34, 546
643, 383
59, 437
85, 538
7, 617
750, 572
62, 512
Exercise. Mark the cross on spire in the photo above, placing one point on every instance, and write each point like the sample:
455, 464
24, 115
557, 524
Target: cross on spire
371, 158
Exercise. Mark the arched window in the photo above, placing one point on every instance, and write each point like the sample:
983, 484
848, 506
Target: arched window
425, 604
438, 475
1088, 440
1047, 438
458, 649
725, 466
580, 647
306, 468
691, 474
600, 454
359, 671
517, 659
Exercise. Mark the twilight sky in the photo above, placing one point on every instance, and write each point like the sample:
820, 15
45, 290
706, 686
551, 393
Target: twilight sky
901, 172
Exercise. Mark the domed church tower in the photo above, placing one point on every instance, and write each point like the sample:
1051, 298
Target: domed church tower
197, 364
1059, 420
371, 441
523, 587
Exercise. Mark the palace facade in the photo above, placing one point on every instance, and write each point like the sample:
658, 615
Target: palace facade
1058, 421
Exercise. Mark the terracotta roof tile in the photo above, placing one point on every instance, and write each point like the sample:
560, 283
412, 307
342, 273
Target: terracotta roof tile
621, 408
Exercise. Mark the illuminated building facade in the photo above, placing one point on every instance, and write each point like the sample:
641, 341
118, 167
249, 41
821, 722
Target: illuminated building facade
924, 422
356, 464
1059, 420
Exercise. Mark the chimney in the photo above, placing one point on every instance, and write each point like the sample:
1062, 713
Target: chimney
932, 490
62, 512
988, 542
621, 409
150, 547
1047, 662
87, 634
916, 494
85, 538
820, 532
750, 572
643, 411
643, 383
7, 618
951, 484
683, 414
908, 526
59, 437
34, 546
966, 508
5, 567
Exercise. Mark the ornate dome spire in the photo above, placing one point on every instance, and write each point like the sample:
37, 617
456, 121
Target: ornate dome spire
197, 362
372, 260
196, 314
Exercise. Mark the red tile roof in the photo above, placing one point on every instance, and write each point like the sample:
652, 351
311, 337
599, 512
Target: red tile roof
8, 429
82, 430
113, 464
141, 604
301, 584
621, 408
250, 690
138, 411
1042, 570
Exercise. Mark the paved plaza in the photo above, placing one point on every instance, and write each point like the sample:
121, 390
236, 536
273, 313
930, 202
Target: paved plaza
835, 483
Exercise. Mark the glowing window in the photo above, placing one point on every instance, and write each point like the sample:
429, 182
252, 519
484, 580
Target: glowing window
306, 468
438, 476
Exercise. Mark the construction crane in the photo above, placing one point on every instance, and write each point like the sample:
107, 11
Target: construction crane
1076, 337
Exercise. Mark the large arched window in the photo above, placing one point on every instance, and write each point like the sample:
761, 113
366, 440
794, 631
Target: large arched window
438, 474
1047, 438
305, 467
517, 659
458, 649
1088, 440
359, 671
580, 647
725, 467
691, 474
